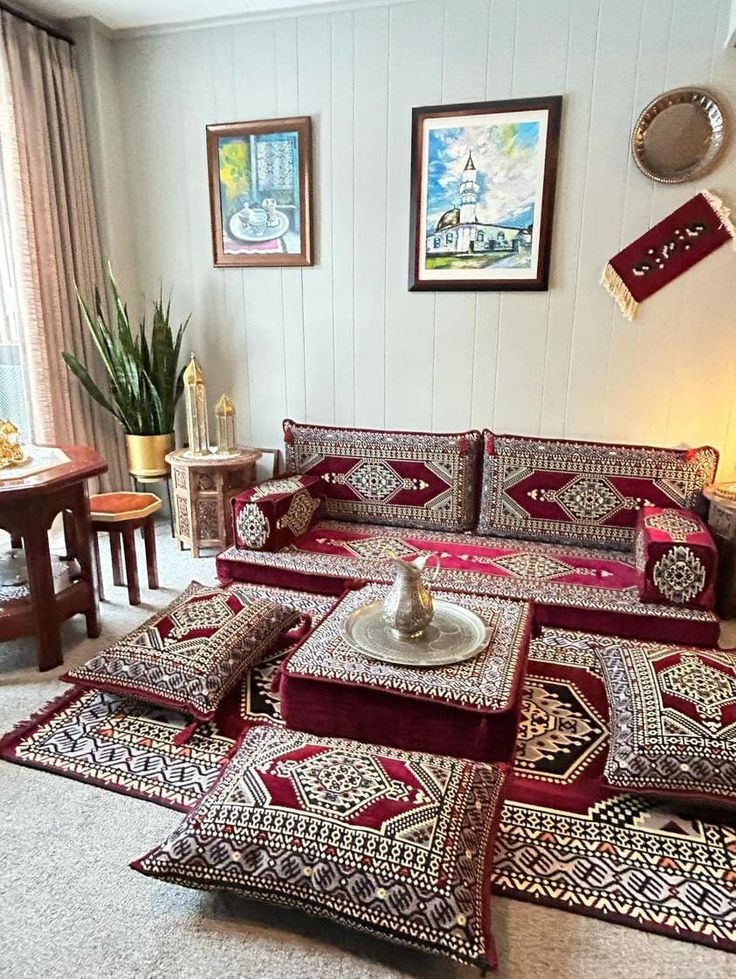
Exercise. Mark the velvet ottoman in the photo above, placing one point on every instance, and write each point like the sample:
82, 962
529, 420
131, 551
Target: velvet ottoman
467, 710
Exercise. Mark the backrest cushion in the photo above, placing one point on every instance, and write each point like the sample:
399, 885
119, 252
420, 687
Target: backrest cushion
585, 493
399, 478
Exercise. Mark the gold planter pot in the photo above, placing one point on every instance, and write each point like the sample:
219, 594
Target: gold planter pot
146, 454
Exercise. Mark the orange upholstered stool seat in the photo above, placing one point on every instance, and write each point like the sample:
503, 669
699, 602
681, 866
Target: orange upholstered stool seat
120, 515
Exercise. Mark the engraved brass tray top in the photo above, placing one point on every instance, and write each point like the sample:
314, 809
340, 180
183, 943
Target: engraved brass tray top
679, 136
454, 635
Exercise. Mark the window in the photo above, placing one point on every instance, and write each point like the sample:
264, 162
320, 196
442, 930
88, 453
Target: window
449, 237
437, 241
480, 236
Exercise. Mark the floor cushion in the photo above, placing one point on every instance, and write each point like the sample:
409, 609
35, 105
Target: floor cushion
396, 844
586, 493
469, 709
673, 720
190, 655
271, 515
421, 479
676, 558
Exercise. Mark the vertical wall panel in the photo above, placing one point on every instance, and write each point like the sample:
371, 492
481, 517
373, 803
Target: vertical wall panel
346, 341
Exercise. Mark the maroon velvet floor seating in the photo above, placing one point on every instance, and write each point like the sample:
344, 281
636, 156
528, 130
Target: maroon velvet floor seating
554, 521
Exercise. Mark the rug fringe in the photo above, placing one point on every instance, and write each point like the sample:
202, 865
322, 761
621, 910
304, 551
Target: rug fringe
723, 212
616, 287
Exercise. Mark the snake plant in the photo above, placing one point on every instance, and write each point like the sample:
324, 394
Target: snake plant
143, 380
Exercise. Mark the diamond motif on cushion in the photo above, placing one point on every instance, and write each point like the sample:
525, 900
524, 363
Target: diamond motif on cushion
209, 614
679, 574
589, 498
527, 565
380, 547
677, 525
252, 526
335, 783
701, 684
299, 515
275, 487
374, 481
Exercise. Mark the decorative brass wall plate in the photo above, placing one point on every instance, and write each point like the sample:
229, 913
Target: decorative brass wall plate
679, 136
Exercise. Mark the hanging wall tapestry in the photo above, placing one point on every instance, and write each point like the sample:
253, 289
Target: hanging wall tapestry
667, 250
260, 192
482, 194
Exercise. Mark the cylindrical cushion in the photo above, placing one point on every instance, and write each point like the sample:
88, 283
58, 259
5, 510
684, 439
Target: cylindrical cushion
271, 515
676, 558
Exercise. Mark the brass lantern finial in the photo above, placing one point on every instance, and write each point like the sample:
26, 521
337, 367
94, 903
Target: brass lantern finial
196, 408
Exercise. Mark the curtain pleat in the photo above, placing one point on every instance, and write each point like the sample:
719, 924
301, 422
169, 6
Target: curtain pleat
56, 238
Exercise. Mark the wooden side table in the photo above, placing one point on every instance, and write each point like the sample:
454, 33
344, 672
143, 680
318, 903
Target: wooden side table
203, 489
28, 507
722, 525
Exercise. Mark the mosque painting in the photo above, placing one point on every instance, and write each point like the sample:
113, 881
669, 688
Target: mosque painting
481, 199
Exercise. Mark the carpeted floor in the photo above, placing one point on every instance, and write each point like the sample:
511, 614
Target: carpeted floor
69, 905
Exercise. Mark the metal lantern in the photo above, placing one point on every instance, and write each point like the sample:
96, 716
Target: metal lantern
225, 421
196, 407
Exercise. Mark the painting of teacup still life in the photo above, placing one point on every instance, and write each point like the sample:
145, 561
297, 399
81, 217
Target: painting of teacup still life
260, 192
483, 179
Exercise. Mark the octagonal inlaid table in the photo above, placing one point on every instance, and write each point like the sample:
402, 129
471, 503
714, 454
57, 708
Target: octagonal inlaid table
28, 506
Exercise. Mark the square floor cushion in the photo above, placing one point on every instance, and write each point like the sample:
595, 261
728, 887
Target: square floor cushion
271, 515
190, 655
394, 843
673, 721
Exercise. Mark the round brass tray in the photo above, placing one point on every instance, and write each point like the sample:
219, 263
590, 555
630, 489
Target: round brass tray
679, 136
454, 635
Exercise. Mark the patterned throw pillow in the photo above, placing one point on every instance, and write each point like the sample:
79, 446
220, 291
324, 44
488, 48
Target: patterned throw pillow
397, 478
398, 844
676, 558
190, 655
586, 493
673, 713
271, 515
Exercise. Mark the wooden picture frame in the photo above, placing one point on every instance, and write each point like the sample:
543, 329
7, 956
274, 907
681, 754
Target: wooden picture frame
467, 231
260, 180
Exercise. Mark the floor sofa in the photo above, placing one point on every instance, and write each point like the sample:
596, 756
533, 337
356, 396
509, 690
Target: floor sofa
603, 538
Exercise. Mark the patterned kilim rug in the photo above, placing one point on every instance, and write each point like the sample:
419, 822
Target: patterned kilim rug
565, 840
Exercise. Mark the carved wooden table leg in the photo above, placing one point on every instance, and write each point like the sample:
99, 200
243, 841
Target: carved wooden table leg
41, 586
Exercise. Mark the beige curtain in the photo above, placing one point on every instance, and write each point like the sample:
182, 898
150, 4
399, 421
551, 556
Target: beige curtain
45, 166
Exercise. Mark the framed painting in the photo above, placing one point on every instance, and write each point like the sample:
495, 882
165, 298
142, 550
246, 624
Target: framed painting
260, 176
482, 194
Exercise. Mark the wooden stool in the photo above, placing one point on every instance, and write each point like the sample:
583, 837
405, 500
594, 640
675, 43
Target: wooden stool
120, 515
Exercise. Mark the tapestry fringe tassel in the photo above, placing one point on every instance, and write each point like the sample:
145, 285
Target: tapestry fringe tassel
723, 212
617, 288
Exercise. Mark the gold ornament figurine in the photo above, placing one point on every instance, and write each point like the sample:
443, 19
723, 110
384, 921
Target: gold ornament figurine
196, 407
225, 420
11, 451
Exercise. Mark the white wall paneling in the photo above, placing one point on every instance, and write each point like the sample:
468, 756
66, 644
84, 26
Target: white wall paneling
345, 341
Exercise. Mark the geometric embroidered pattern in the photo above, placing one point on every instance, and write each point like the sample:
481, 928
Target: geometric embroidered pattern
673, 522
252, 526
560, 732
679, 574
673, 720
277, 487
583, 492
192, 654
529, 565
393, 843
395, 478
301, 510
